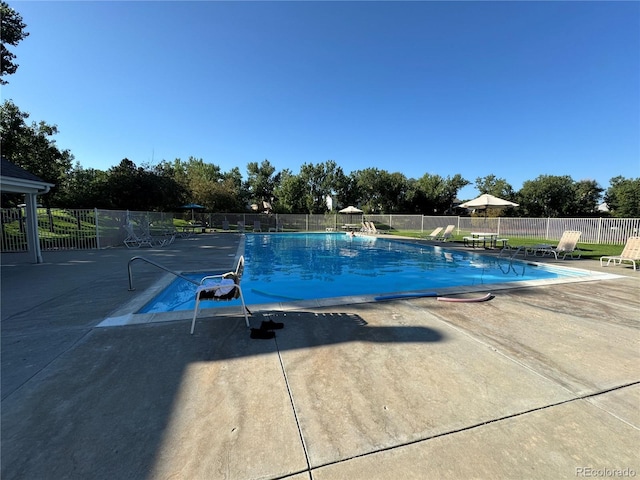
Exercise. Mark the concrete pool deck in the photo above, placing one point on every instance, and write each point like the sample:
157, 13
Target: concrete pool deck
540, 382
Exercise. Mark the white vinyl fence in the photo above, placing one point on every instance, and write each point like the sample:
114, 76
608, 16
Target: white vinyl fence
66, 229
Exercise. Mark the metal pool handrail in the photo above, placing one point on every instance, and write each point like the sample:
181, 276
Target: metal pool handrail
156, 265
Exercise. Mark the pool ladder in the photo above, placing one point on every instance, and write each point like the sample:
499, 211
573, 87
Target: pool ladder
520, 249
151, 262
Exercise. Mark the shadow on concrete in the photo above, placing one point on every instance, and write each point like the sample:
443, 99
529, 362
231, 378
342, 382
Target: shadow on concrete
100, 409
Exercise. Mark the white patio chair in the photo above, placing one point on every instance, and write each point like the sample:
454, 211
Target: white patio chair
223, 287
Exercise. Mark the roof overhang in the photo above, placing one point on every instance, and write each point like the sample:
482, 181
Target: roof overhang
21, 185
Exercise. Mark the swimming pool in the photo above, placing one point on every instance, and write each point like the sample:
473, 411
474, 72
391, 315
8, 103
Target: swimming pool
294, 267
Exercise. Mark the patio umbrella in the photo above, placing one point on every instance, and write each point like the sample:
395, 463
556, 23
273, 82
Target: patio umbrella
192, 207
350, 209
486, 201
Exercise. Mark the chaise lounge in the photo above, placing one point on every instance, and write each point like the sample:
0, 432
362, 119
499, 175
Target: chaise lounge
568, 245
630, 254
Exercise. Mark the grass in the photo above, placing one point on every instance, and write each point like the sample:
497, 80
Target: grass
588, 250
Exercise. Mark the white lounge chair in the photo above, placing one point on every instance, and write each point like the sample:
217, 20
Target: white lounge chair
630, 254
372, 228
256, 226
568, 245
135, 240
446, 235
223, 287
433, 235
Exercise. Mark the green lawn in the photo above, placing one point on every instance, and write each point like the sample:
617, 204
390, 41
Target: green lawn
588, 250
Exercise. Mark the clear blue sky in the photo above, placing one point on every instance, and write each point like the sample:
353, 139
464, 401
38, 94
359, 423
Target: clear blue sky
514, 89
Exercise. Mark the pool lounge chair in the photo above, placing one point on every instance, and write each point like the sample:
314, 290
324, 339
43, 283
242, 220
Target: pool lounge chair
446, 235
433, 235
223, 287
630, 254
135, 240
372, 228
568, 245
256, 226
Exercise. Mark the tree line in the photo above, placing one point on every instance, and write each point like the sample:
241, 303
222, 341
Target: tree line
168, 185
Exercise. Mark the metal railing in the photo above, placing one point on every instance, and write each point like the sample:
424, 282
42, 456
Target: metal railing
66, 229
151, 262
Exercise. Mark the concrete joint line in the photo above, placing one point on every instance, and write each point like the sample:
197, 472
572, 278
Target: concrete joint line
73, 345
511, 359
293, 407
589, 398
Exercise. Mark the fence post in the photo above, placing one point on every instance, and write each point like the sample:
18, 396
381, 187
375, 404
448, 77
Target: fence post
546, 235
95, 215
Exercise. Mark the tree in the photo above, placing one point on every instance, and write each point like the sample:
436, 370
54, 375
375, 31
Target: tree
548, 196
11, 33
451, 188
84, 188
588, 194
623, 197
369, 188
346, 189
498, 187
32, 148
393, 188
320, 183
435, 195
291, 193
260, 182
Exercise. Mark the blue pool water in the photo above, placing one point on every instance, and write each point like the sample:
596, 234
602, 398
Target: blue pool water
288, 267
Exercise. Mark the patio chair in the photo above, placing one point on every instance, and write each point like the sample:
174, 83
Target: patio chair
372, 228
433, 235
446, 235
256, 226
568, 245
241, 225
630, 254
223, 287
134, 240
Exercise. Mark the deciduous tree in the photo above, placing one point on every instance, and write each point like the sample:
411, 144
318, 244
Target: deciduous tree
33, 148
623, 197
11, 33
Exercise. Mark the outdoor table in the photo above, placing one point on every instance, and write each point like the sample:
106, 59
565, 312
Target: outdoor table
477, 237
191, 229
351, 227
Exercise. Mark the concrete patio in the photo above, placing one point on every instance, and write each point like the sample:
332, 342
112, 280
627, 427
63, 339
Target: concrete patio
540, 382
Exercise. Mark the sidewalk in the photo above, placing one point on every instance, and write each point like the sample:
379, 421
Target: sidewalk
539, 382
